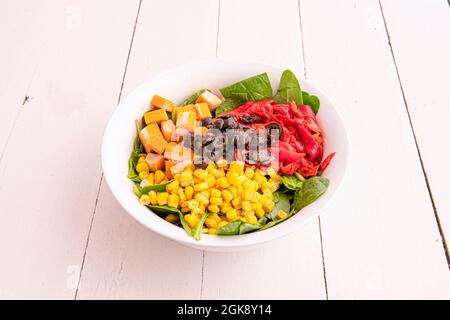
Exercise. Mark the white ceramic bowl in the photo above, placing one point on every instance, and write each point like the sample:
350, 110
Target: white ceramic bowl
178, 83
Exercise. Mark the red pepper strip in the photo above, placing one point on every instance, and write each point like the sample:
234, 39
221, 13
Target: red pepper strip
307, 111
311, 145
326, 162
286, 155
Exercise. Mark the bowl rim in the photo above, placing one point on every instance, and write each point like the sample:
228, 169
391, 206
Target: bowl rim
212, 242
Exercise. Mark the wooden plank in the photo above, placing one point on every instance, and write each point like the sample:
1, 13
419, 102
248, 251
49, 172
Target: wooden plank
291, 267
380, 236
419, 34
137, 263
50, 169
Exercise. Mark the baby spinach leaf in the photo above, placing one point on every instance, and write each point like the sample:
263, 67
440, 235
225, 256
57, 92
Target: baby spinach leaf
155, 187
311, 101
237, 227
274, 223
138, 148
291, 182
163, 211
137, 190
282, 204
184, 224
312, 189
276, 197
192, 98
199, 227
251, 89
289, 89
230, 229
227, 105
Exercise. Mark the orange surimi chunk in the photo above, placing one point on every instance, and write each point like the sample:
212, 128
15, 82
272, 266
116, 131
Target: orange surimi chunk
169, 164
186, 120
145, 133
155, 143
167, 128
160, 102
210, 98
154, 161
155, 116
186, 108
180, 166
202, 110
177, 152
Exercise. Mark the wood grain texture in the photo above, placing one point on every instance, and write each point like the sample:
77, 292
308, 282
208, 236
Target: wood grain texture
380, 235
50, 169
419, 34
291, 267
137, 263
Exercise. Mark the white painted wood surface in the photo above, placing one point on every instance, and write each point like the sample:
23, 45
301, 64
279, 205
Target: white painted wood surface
380, 235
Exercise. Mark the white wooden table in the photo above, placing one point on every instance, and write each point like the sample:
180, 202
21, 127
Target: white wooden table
64, 65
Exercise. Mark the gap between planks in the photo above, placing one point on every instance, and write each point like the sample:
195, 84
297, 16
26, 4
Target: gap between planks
430, 194
101, 177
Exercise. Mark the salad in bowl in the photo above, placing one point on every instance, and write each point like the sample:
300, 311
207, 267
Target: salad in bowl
232, 160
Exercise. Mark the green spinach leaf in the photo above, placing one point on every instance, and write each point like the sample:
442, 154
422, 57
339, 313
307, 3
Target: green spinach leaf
227, 105
184, 224
274, 223
138, 148
251, 89
291, 182
289, 89
282, 204
163, 211
155, 187
312, 189
311, 101
193, 98
237, 227
137, 189
199, 227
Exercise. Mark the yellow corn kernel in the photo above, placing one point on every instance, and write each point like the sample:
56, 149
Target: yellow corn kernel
151, 178
189, 192
269, 206
282, 214
231, 214
216, 201
200, 186
173, 201
197, 212
214, 216
177, 177
211, 167
186, 178
205, 230
237, 166
202, 207
233, 191
217, 173
197, 180
251, 218
271, 172
239, 181
247, 194
144, 199
159, 176
141, 159
181, 194
161, 198
175, 191
222, 163
172, 218
211, 223
171, 186
191, 204
183, 203
275, 180
222, 223
249, 172
259, 212
236, 202
267, 193
225, 207
185, 210
191, 220
222, 182
206, 193
256, 197
226, 195
143, 175
152, 196
201, 199
200, 173
142, 166
246, 206
210, 180
215, 193
212, 231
